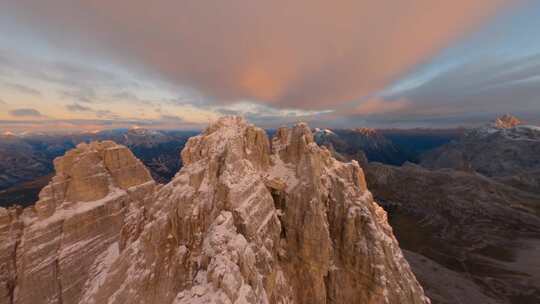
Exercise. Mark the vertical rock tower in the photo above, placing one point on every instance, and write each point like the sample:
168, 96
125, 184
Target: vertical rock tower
246, 220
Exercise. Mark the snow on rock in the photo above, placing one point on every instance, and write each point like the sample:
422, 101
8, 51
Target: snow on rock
246, 220
506, 121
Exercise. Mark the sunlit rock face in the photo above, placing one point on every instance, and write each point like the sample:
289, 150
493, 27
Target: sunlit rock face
246, 220
54, 251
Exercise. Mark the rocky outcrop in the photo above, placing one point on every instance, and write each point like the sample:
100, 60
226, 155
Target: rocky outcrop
89, 173
26, 161
50, 253
246, 220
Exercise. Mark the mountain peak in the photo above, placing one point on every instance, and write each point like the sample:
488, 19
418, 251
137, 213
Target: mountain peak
366, 131
90, 172
8, 133
506, 121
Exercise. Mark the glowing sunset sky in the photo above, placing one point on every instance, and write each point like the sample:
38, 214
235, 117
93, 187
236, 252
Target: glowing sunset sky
94, 64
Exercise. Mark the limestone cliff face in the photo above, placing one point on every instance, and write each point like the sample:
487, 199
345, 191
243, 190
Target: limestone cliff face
50, 253
246, 220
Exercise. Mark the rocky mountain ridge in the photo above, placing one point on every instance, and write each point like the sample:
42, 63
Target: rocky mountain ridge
246, 220
515, 147
361, 144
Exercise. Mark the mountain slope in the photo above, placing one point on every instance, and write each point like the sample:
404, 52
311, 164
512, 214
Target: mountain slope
515, 147
463, 230
246, 220
359, 144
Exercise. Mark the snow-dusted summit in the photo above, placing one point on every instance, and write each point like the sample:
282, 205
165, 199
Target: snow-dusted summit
506, 121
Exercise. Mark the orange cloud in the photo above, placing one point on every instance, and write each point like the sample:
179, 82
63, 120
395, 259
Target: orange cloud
305, 53
381, 106
258, 81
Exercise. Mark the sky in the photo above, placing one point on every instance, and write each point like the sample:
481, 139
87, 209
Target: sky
96, 64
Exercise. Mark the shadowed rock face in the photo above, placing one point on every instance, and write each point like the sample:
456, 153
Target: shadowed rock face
19, 160
246, 220
360, 144
504, 150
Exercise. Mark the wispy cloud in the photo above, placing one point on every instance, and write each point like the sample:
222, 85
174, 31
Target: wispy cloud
172, 119
492, 85
22, 89
106, 114
78, 108
86, 95
67, 125
380, 106
25, 112
132, 98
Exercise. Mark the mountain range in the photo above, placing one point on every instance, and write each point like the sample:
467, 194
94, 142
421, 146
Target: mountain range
464, 205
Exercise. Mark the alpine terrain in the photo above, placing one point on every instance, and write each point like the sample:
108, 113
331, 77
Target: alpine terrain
246, 220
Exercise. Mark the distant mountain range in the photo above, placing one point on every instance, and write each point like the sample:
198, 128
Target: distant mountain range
393, 147
26, 159
504, 150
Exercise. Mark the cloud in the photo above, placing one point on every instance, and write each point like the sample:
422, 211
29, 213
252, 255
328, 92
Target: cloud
381, 106
23, 89
491, 85
106, 114
82, 94
131, 97
78, 108
290, 54
64, 125
257, 111
2, 102
101, 114
172, 119
25, 112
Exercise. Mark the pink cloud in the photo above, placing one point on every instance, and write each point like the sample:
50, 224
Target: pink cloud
306, 53
381, 106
